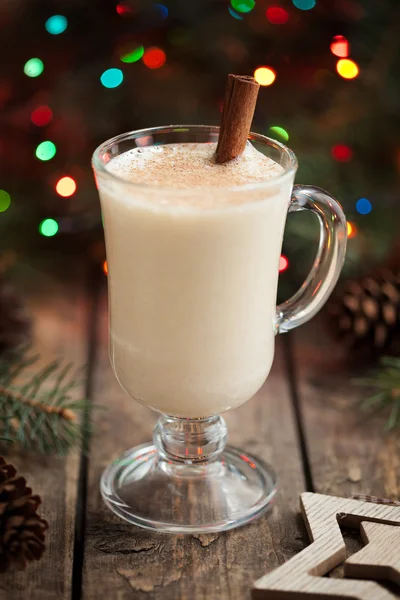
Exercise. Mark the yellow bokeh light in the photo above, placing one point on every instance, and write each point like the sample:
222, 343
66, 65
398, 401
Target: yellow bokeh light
347, 68
66, 186
351, 230
264, 75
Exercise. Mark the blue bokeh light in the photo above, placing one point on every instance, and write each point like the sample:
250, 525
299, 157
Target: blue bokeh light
363, 206
56, 24
304, 4
112, 78
162, 10
235, 14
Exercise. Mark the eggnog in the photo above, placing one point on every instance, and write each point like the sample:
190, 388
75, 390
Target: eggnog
193, 251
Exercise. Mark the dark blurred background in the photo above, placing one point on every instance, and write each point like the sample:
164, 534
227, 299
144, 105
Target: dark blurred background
74, 73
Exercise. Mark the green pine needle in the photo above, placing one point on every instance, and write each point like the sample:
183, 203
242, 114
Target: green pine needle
385, 382
41, 414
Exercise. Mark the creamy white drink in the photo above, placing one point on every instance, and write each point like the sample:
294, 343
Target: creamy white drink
193, 251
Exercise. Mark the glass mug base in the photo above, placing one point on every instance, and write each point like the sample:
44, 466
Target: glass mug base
147, 490
187, 481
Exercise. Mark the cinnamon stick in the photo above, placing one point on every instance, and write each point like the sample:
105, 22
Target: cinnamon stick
240, 102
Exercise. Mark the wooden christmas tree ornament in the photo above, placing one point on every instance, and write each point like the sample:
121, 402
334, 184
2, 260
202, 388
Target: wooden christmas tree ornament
302, 576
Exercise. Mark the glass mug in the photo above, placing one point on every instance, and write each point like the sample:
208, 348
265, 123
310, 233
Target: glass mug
192, 303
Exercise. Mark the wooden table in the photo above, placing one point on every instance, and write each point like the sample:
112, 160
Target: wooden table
303, 421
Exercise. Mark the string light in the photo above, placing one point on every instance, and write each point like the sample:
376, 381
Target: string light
264, 75
342, 153
133, 56
105, 267
277, 15
363, 206
41, 116
304, 4
283, 263
351, 230
154, 58
235, 14
347, 68
243, 6
340, 46
112, 78
48, 227
5, 200
66, 186
33, 67
280, 132
56, 24
46, 150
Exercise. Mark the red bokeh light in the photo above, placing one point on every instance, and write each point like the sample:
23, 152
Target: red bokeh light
283, 263
154, 58
342, 153
340, 46
41, 116
123, 9
277, 15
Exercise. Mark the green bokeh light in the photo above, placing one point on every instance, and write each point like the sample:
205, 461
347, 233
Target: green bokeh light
48, 227
5, 200
134, 56
279, 133
243, 6
33, 67
46, 150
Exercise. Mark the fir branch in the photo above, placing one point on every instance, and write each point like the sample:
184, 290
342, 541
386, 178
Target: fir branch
41, 412
385, 383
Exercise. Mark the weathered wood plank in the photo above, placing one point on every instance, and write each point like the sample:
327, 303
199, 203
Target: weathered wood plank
122, 561
59, 316
348, 453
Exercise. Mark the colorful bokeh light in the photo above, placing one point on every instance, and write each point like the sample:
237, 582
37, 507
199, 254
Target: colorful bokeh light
283, 263
66, 186
48, 227
243, 6
264, 75
347, 68
112, 78
280, 133
235, 14
363, 206
154, 58
341, 153
304, 4
105, 267
277, 15
46, 150
340, 46
162, 10
123, 9
41, 116
5, 200
56, 24
133, 56
33, 67
351, 230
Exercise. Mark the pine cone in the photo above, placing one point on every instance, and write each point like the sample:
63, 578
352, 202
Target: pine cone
367, 313
15, 325
21, 528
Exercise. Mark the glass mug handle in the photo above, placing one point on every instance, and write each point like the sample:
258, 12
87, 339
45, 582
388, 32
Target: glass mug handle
314, 292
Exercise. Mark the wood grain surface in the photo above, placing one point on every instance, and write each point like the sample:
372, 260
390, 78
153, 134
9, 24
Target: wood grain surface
59, 319
123, 561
